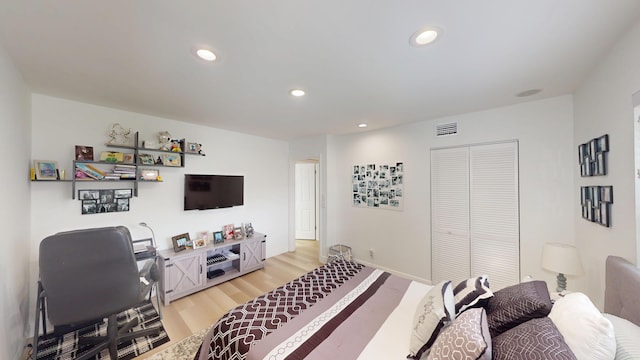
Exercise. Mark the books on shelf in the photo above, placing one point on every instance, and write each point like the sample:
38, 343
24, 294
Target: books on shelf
90, 171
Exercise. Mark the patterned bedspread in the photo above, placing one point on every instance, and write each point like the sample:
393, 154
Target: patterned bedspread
241, 328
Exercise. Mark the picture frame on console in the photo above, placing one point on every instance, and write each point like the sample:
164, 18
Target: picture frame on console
218, 237
237, 233
180, 242
198, 243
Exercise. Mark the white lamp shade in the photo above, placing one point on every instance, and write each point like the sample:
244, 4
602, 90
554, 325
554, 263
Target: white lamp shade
561, 258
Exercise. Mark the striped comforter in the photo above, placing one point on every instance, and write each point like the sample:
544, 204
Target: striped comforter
341, 310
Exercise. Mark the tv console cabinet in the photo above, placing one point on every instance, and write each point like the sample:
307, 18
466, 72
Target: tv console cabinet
189, 271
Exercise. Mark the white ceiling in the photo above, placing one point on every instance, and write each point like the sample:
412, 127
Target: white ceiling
351, 56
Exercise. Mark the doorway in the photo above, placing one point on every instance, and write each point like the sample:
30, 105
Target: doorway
306, 200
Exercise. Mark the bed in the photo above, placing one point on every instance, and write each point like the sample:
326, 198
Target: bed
345, 310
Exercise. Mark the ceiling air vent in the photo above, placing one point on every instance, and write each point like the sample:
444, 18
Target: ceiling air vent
447, 129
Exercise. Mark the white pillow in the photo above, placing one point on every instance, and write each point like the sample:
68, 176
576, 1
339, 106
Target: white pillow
627, 338
434, 312
587, 332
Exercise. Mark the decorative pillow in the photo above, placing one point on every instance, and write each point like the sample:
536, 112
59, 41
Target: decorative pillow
514, 305
472, 293
535, 339
434, 311
466, 338
627, 335
587, 332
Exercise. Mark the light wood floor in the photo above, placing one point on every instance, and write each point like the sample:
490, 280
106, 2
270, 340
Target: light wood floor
190, 314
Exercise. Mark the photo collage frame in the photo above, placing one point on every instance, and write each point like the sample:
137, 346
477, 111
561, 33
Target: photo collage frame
378, 186
104, 201
596, 204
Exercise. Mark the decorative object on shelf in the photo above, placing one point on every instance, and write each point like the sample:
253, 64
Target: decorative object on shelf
248, 229
175, 145
164, 139
104, 201
180, 242
237, 233
218, 237
171, 160
146, 159
149, 174
46, 169
563, 259
194, 148
592, 156
118, 135
84, 152
378, 187
128, 158
153, 235
596, 204
204, 235
227, 231
111, 156
198, 243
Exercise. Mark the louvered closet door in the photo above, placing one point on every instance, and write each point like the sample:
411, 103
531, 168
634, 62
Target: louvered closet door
450, 214
494, 213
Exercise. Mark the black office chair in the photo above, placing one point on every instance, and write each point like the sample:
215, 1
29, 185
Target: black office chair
87, 276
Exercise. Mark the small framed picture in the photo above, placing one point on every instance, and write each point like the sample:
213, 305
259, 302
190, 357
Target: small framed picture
122, 193
180, 242
149, 174
603, 143
217, 237
193, 147
128, 158
122, 204
146, 159
204, 235
88, 194
199, 243
84, 152
172, 160
46, 169
89, 207
227, 232
237, 233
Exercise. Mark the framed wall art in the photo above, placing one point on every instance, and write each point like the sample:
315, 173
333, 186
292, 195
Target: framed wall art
596, 204
378, 186
592, 156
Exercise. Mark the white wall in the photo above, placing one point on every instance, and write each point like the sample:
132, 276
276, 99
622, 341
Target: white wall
401, 239
59, 125
14, 218
603, 105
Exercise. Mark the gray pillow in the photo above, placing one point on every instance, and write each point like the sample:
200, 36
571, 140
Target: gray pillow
514, 305
535, 339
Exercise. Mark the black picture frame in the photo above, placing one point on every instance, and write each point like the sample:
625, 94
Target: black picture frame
592, 156
180, 242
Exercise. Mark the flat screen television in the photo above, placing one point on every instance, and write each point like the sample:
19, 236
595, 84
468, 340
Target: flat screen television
202, 192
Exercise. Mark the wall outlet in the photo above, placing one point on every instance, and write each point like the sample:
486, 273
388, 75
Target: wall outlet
370, 252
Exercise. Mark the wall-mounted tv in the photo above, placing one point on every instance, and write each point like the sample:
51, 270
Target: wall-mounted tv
202, 192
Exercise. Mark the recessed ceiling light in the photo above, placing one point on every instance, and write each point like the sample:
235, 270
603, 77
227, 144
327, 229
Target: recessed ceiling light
362, 125
297, 92
206, 54
528, 92
424, 36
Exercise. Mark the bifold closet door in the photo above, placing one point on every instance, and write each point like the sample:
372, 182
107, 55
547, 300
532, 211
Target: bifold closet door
494, 213
475, 213
450, 251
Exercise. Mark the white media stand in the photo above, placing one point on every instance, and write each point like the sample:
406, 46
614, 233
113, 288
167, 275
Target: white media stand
189, 271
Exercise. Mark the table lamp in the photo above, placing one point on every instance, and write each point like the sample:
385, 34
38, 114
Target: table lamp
563, 259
